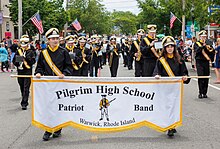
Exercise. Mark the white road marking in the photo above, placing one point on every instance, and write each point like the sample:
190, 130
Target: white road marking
215, 87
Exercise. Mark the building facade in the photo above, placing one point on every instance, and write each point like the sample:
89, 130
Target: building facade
6, 25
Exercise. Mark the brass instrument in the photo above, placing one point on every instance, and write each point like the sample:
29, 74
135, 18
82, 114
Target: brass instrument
94, 50
138, 58
209, 48
113, 49
84, 60
73, 63
21, 64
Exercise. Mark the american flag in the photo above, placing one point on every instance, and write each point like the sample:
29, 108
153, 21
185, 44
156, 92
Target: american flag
172, 19
76, 25
37, 22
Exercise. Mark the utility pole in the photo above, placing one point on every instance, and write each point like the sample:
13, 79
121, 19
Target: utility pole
183, 21
1, 13
66, 24
19, 18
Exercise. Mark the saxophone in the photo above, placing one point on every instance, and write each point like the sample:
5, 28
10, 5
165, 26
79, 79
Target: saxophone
83, 58
138, 58
23, 62
73, 63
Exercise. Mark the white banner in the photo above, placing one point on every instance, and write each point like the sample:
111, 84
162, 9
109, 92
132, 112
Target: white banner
107, 104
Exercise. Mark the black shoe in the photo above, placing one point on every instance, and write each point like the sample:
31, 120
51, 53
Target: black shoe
107, 119
57, 134
46, 136
170, 133
174, 130
200, 96
205, 96
101, 119
24, 107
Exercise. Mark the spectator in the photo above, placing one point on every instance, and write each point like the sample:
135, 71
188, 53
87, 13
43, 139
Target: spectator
43, 45
217, 62
14, 48
3, 51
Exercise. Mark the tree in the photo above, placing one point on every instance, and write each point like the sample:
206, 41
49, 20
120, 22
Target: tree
91, 14
51, 12
158, 12
126, 21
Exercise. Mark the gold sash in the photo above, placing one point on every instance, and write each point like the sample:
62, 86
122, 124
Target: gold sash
152, 48
50, 63
203, 52
25, 63
139, 51
166, 67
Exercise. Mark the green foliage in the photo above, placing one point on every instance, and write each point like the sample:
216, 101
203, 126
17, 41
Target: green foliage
158, 12
51, 12
126, 21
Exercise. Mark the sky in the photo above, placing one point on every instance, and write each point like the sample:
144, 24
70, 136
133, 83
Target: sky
122, 5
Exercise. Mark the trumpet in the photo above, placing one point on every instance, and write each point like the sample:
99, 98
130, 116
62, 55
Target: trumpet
209, 48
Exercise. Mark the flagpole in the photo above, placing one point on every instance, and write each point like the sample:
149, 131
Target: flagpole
19, 18
176, 17
29, 19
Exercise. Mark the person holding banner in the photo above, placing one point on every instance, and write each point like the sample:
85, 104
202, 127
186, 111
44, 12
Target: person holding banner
149, 52
53, 61
24, 59
170, 64
136, 53
204, 56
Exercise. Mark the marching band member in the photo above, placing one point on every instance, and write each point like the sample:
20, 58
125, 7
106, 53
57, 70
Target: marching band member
130, 55
71, 47
96, 47
125, 49
113, 50
204, 55
149, 52
136, 52
170, 64
53, 61
84, 55
24, 59
62, 42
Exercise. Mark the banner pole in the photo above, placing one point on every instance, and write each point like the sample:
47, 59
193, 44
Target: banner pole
32, 76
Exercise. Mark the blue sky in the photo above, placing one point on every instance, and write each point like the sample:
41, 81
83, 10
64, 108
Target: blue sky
122, 5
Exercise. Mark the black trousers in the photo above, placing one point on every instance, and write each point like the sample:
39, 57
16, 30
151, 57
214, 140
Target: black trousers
139, 65
4, 64
104, 58
114, 67
24, 84
130, 62
83, 71
94, 66
203, 70
148, 68
125, 59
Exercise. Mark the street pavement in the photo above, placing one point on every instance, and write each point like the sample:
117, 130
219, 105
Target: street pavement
200, 130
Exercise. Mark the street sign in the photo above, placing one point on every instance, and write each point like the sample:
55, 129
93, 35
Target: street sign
196, 25
213, 9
